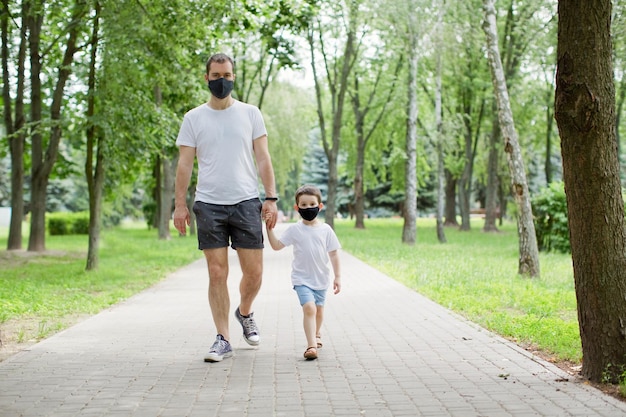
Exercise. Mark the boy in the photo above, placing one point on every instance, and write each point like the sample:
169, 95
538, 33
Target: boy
314, 244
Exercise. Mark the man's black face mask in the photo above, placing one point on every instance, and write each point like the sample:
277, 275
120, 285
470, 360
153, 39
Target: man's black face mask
221, 87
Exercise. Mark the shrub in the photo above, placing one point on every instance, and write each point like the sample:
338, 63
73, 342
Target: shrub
149, 213
57, 225
550, 211
80, 225
66, 223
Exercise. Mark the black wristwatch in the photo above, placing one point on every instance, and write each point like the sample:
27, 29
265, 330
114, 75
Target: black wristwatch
271, 198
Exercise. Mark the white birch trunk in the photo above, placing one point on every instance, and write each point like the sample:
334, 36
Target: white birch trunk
528, 251
409, 232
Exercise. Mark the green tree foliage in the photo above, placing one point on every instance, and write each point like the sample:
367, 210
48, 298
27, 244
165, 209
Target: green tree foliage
150, 46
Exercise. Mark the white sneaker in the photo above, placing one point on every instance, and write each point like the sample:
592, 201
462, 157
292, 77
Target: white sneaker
250, 330
221, 349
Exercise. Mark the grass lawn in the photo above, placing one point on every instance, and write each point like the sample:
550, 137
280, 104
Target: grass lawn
41, 294
474, 274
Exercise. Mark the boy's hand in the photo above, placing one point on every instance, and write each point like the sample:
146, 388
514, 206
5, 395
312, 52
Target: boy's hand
337, 286
270, 214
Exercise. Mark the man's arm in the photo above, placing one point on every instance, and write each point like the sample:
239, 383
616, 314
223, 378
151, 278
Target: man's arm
184, 169
266, 172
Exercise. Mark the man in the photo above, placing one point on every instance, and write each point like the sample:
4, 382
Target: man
227, 137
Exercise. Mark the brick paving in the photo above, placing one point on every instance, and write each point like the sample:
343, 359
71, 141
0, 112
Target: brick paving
388, 352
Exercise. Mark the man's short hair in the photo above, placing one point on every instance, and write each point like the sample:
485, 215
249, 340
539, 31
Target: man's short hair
220, 59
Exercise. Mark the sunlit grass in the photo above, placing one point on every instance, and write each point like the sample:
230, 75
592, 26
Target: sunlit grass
48, 286
475, 275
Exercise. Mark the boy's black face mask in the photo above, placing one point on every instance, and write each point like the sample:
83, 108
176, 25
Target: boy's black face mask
309, 213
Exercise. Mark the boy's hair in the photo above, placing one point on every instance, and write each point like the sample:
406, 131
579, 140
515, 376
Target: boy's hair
309, 190
220, 59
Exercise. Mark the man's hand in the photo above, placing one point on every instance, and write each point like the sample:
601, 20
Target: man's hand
181, 219
269, 213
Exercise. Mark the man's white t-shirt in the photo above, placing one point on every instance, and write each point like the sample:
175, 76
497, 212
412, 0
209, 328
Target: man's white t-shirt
223, 140
311, 244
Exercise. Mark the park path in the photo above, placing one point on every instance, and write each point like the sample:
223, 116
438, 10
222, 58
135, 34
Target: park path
388, 352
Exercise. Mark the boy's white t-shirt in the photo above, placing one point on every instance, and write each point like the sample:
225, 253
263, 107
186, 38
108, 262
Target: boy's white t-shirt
223, 140
311, 244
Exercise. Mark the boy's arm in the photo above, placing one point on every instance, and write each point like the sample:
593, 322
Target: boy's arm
274, 242
334, 261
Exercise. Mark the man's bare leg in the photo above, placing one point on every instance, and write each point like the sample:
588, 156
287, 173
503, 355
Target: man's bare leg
251, 262
219, 300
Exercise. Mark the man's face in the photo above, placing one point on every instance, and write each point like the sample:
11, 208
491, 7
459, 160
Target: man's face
220, 70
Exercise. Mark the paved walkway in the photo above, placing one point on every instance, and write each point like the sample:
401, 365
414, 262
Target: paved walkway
388, 352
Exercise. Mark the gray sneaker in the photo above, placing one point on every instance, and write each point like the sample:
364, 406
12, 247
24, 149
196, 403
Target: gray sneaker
250, 330
221, 349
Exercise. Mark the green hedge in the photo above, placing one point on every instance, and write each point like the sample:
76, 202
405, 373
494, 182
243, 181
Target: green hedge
68, 223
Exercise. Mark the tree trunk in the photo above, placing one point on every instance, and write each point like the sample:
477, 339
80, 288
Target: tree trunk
95, 207
39, 181
168, 169
465, 182
441, 172
618, 114
359, 122
165, 170
359, 200
528, 250
585, 115
95, 140
493, 163
514, 42
549, 120
332, 191
14, 126
464, 186
409, 230
42, 166
450, 208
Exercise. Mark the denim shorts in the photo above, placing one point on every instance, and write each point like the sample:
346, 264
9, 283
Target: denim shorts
238, 224
306, 295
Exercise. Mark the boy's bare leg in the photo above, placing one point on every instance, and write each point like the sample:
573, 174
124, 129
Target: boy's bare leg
308, 321
319, 319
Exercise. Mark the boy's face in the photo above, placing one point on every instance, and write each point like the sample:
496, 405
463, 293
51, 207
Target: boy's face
307, 201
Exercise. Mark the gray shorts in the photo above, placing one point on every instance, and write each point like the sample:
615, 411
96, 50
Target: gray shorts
238, 224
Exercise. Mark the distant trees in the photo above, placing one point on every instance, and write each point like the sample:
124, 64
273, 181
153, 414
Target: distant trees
398, 99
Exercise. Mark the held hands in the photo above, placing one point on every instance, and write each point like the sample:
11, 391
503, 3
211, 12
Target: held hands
269, 214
